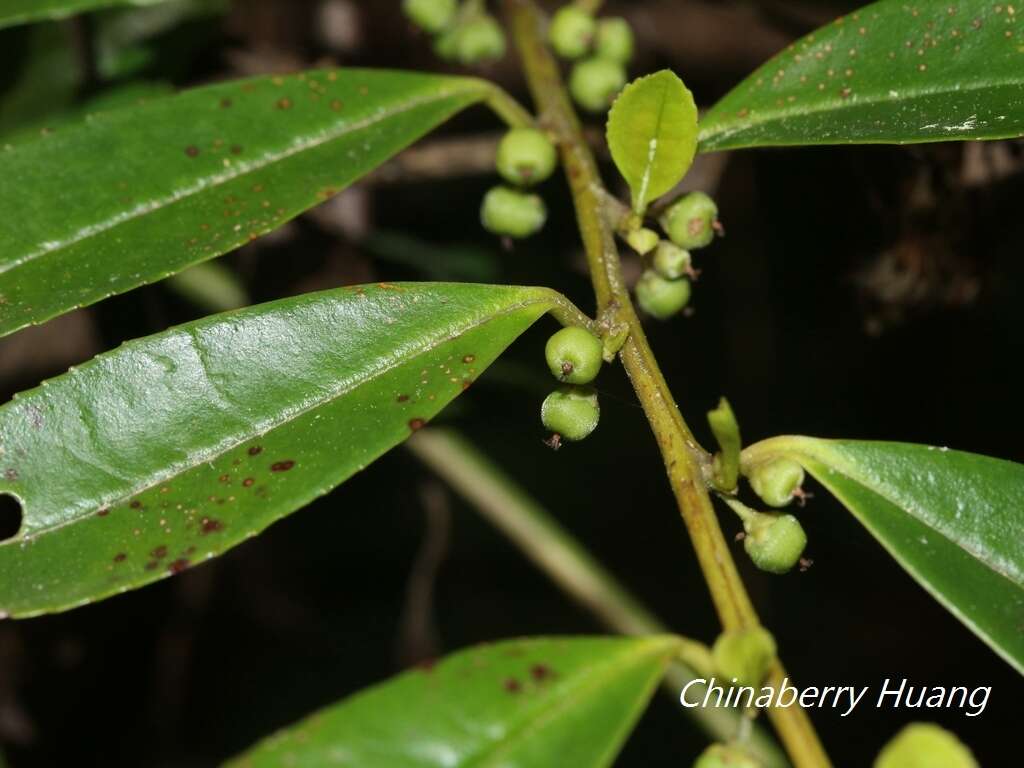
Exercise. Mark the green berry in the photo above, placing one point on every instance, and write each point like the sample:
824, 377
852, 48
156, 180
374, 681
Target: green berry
571, 412
744, 655
774, 541
724, 756
478, 40
777, 481
690, 222
923, 745
572, 31
446, 44
574, 355
643, 240
430, 15
525, 157
671, 261
595, 83
509, 212
614, 40
662, 298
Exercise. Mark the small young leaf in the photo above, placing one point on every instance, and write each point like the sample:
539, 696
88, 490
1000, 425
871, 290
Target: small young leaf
13, 12
174, 448
954, 520
136, 194
652, 134
535, 702
892, 72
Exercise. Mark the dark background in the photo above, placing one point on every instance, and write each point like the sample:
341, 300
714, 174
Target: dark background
860, 292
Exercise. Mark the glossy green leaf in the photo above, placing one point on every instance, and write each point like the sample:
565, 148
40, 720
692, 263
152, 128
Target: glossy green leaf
532, 703
954, 520
13, 12
136, 194
893, 72
176, 447
652, 135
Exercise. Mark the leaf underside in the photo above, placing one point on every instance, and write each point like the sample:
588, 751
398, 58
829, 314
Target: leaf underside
528, 703
176, 447
136, 194
892, 72
953, 520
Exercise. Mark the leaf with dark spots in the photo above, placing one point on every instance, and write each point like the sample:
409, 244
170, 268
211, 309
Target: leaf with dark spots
481, 707
139, 193
891, 72
206, 434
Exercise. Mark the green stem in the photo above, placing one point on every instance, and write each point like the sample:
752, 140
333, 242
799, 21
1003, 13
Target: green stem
553, 549
514, 114
686, 463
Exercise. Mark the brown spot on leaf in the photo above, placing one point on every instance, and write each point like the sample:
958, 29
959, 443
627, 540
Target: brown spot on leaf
151, 565
136, 504
120, 557
178, 565
159, 553
282, 466
417, 424
192, 151
284, 103
513, 686
224, 478
209, 525
103, 512
468, 359
225, 103
541, 672
255, 450
403, 398
10, 474
248, 482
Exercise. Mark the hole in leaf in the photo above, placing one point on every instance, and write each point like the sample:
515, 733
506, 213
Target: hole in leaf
11, 515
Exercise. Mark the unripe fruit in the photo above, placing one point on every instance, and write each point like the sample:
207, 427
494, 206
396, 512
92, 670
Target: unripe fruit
744, 655
510, 212
924, 745
478, 40
671, 261
723, 756
430, 15
571, 412
525, 157
614, 40
643, 240
572, 31
595, 83
574, 355
662, 298
690, 221
774, 542
776, 481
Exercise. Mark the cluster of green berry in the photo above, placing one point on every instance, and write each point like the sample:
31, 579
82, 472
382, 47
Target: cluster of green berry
571, 412
525, 157
690, 223
463, 32
600, 48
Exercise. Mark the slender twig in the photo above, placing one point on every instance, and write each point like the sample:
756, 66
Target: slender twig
686, 463
553, 549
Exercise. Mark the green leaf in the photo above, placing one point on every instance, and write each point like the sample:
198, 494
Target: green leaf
13, 12
954, 520
893, 72
176, 447
536, 702
136, 194
652, 134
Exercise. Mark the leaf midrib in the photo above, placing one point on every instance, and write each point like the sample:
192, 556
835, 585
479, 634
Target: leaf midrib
241, 169
291, 415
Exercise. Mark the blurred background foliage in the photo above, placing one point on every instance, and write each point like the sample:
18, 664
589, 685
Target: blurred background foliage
867, 292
